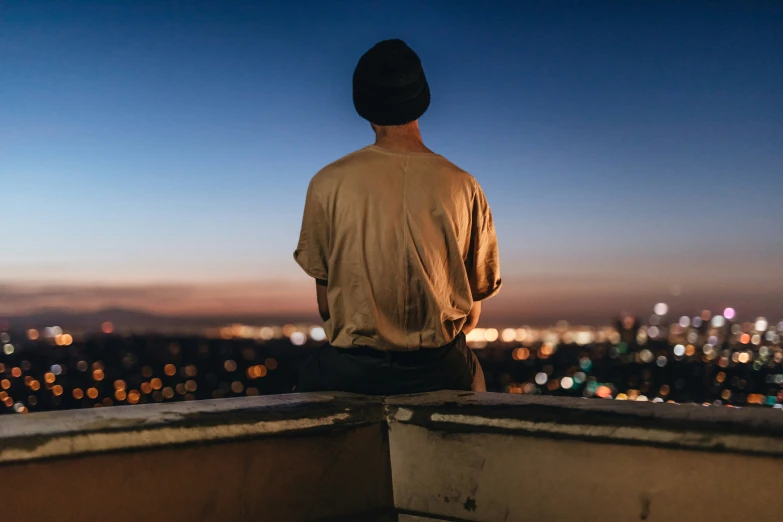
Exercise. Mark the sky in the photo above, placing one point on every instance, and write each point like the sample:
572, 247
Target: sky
155, 155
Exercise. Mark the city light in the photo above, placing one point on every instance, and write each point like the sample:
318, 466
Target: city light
661, 309
509, 335
317, 334
490, 335
650, 359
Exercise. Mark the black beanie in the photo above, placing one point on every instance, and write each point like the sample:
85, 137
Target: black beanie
389, 87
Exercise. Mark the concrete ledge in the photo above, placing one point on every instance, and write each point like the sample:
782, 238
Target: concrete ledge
461, 457
689, 426
286, 458
450, 456
71, 433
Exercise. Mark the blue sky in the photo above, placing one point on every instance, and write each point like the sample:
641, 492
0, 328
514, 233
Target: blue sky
625, 147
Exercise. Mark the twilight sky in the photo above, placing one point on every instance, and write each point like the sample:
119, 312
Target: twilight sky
155, 155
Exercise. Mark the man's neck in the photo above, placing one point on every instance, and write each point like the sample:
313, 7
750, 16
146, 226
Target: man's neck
401, 138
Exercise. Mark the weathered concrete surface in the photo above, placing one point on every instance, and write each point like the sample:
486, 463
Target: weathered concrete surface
276, 478
71, 433
492, 458
443, 456
292, 458
417, 518
493, 477
671, 425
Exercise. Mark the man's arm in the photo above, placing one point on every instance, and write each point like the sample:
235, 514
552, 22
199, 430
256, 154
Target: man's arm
473, 318
323, 302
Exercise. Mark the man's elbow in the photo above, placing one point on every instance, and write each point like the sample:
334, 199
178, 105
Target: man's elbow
469, 326
472, 320
470, 323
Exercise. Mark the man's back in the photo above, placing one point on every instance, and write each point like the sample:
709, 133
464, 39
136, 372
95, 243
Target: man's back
402, 246
406, 244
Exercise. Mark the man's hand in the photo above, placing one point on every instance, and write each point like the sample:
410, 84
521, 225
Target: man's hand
473, 318
323, 301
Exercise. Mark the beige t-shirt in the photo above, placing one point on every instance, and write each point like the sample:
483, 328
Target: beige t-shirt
406, 244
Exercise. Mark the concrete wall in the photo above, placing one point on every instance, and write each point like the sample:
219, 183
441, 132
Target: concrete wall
278, 459
498, 458
443, 456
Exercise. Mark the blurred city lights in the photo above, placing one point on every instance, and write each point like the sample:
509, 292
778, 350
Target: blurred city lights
604, 392
652, 360
490, 335
661, 309
317, 334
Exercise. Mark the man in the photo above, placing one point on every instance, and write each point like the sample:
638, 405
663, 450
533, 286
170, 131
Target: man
402, 246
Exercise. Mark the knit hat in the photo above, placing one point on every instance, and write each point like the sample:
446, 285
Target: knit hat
389, 87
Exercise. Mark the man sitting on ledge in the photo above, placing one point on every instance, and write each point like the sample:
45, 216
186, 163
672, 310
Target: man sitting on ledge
402, 246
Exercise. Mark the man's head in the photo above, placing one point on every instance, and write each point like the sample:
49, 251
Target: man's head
389, 87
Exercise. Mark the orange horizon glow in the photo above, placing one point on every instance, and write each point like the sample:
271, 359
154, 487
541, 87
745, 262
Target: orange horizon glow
532, 300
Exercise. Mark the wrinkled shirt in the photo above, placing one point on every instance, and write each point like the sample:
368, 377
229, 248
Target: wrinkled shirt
406, 245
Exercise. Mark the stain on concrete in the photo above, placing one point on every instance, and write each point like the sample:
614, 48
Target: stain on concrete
646, 503
470, 504
113, 424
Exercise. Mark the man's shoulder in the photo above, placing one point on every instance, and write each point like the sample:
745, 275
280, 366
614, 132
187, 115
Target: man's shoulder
457, 173
342, 166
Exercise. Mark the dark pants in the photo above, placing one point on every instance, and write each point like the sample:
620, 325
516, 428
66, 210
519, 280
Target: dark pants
372, 372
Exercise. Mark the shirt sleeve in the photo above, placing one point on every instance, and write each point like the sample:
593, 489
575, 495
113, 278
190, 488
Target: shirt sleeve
312, 252
483, 260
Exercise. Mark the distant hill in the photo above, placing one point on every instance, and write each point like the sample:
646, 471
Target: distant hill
140, 321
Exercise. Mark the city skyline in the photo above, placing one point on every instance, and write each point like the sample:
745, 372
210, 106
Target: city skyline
155, 157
